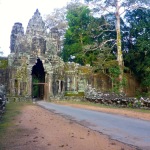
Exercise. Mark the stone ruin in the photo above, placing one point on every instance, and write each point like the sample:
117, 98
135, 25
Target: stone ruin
114, 99
3, 99
35, 69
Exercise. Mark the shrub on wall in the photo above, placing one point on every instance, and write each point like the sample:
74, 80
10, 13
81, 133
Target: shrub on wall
3, 63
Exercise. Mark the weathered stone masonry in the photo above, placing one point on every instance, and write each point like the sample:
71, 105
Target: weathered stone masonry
37, 49
36, 70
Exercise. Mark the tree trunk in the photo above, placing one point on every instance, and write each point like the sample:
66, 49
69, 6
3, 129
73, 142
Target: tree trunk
119, 51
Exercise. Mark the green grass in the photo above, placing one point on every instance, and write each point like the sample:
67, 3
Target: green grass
74, 94
13, 109
87, 103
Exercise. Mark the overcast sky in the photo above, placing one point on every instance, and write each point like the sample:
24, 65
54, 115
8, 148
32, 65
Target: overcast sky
12, 11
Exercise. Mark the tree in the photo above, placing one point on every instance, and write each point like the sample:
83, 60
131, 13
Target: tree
57, 20
77, 34
118, 7
137, 57
85, 34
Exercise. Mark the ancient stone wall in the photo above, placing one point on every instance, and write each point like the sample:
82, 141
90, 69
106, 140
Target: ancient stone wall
58, 78
133, 86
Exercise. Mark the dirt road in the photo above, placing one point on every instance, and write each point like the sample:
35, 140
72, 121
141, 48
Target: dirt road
39, 129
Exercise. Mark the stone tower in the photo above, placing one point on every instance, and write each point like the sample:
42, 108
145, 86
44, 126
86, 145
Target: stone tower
36, 70
36, 26
16, 33
33, 60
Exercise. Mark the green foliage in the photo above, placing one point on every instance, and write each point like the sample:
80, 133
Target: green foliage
35, 89
92, 40
130, 105
74, 94
137, 59
86, 36
114, 71
140, 94
22, 73
3, 63
117, 7
77, 35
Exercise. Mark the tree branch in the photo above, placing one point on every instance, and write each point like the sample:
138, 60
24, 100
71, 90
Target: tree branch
89, 48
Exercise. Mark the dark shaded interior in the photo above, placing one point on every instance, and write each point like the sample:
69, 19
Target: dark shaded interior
38, 80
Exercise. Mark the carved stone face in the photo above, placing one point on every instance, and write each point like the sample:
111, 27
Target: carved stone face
36, 25
17, 32
38, 45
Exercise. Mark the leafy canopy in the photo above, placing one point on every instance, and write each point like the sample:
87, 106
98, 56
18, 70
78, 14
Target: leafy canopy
138, 54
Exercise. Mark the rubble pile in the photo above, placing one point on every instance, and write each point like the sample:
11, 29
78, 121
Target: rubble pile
2, 99
120, 100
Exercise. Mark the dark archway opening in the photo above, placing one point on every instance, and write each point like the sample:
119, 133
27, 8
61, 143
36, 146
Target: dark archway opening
38, 80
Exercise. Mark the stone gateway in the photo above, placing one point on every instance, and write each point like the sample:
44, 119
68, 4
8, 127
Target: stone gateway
35, 69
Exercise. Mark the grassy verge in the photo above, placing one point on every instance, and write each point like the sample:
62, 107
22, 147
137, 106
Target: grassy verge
87, 103
12, 110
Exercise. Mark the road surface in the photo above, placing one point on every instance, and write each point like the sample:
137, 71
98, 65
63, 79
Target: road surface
132, 131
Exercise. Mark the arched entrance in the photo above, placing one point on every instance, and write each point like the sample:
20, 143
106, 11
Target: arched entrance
38, 80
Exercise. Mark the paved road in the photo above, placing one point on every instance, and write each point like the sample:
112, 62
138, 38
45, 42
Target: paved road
128, 130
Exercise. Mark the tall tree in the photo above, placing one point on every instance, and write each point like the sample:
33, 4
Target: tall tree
85, 34
118, 7
138, 54
77, 34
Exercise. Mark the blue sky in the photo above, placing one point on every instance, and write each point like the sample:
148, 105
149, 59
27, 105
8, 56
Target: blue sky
12, 11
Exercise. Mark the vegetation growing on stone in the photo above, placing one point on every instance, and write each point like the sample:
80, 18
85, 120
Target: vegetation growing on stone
106, 44
3, 63
113, 41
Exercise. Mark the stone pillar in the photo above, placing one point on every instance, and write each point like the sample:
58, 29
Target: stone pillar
74, 79
59, 86
68, 83
77, 79
18, 90
12, 87
71, 83
30, 85
46, 87
24, 88
29, 82
50, 79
